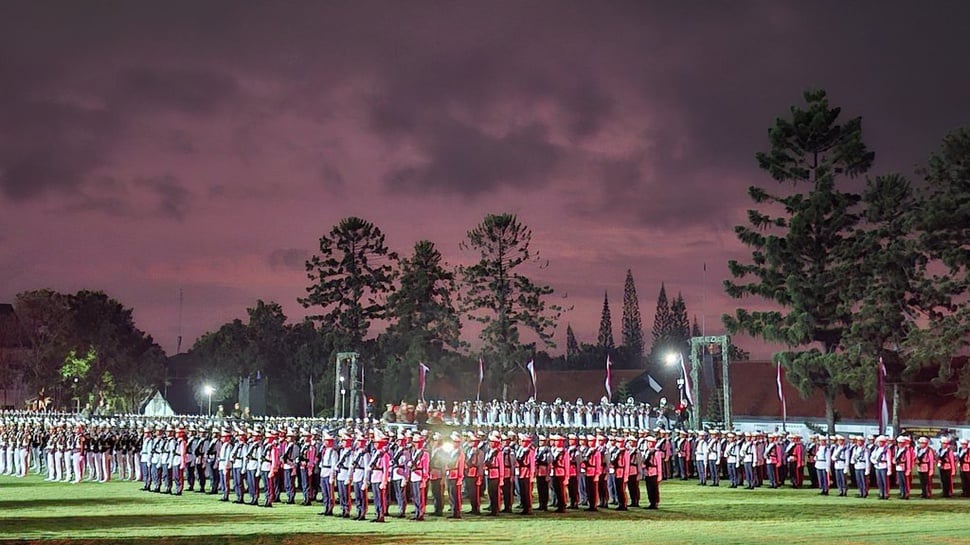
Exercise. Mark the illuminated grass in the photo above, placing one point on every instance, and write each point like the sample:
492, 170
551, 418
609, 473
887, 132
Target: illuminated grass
31, 509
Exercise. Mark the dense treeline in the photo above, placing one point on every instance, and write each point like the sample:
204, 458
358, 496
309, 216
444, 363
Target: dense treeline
859, 279
858, 269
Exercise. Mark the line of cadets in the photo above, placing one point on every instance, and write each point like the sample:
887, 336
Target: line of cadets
346, 470
838, 462
69, 452
566, 471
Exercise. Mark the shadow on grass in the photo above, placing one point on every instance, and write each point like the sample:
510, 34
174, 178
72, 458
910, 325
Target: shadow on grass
335, 538
18, 484
14, 527
66, 502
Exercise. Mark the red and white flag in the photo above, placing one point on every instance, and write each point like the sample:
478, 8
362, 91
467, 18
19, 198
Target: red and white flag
881, 398
481, 377
422, 377
609, 378
532, 374
781, 396
687, 388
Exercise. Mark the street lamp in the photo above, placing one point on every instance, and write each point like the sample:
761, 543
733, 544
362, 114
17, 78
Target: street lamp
343, 393
675, 358
208, 392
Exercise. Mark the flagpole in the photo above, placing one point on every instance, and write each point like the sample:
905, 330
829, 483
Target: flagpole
481, 377
312, 408
781, 397
704, 302
532, 374
609, 386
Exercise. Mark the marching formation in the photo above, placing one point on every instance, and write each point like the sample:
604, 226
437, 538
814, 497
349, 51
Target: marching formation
835, 462
355, 468
351, 468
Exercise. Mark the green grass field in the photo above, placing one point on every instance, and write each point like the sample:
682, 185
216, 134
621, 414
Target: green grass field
31, 510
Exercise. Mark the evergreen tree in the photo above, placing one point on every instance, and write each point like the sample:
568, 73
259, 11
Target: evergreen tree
502, 299
680, 328
662, 326
943, 228
605, 338
695, 330
632, 329
572, 347
424, 303
889, 261
425, 322
802, 254
350, 278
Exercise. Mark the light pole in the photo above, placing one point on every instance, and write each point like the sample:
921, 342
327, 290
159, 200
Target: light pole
343, 395
208, 392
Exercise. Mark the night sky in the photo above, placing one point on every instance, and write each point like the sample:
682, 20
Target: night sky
148, 147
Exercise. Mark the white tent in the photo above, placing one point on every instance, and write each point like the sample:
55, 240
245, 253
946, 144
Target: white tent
156, 405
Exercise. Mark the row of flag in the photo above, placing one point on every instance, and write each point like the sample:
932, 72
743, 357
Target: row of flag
531, 369
608, 384
881, 405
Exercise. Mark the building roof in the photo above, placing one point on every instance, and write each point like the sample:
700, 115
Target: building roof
754, 390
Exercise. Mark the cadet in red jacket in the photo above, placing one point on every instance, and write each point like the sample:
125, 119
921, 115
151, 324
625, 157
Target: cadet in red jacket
455, 474
572, 482
904, 460
560, 471
946, 461
269, 466
543, 469
380, 474
925, 466
795, 457
525, 462
493, 472
963, 461
474, 473
652, 471
591, 470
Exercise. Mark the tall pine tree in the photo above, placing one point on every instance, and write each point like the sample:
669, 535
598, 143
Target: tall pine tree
604, 341
632, 327
680, 324
943, 227
801, 251
572, 346
350, 279
662, 324
500, 297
